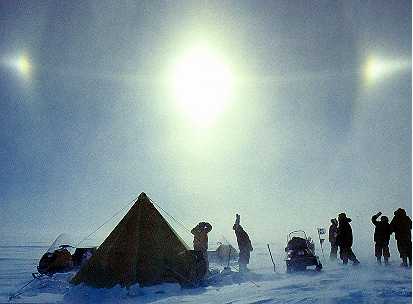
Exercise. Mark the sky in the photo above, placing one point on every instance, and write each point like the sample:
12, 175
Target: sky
317, 119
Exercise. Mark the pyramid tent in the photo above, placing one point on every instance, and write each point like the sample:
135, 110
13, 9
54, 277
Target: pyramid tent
143, 248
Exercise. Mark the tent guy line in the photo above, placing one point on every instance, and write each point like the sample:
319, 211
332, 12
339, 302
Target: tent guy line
156, 203
180, 223
108, 220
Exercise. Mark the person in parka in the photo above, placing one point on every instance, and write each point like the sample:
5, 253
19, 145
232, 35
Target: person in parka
244, 245
381, 237
401, 225
332, 238
200, 233
345, 239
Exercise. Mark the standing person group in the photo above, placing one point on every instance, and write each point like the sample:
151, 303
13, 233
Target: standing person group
201, 231
345, 239
341, 236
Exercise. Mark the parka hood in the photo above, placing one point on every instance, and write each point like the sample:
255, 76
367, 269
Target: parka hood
400, 212
343, 218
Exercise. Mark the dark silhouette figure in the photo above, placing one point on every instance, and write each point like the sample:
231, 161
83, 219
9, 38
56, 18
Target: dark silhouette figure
244, 245
332, 238
401, 225
381, 237
200, 233
345, 239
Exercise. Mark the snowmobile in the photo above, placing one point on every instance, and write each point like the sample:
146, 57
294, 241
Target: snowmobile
59, 258
300, 252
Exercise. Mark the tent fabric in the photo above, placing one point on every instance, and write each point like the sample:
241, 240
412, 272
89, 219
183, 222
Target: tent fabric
143, 248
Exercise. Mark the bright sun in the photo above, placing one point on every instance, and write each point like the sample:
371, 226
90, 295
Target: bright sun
202, 84
377, 68
21, 64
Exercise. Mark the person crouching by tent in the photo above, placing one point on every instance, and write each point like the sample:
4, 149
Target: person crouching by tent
200, 233
401, 225
381, 238
332, 238
345, 240
244, 245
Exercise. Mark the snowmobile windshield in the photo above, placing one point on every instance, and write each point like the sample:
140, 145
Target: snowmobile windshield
63, 241
298, 234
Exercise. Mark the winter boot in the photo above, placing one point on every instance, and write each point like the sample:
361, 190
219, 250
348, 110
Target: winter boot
404, 263
386, 261
379, 260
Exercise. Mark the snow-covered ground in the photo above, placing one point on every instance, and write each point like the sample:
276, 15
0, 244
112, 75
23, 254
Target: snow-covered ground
366, 283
